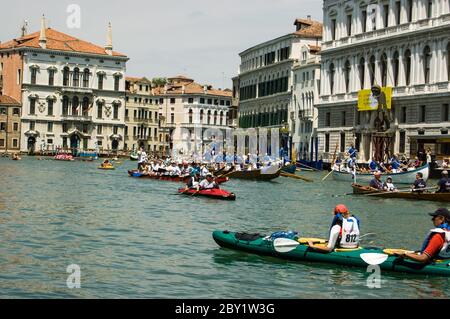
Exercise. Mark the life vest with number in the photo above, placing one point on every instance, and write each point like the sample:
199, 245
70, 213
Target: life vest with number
444, 229
350, 229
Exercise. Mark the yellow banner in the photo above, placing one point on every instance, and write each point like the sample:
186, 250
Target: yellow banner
367, 101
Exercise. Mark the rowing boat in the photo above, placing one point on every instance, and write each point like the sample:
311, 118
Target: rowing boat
218, 180
256, 174
216, 193
436, 197
299, 251
398, 178
289, 168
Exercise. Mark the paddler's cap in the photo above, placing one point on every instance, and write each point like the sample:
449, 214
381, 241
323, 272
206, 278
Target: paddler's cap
209, 175
441, 212
445, 173
340, 209
389, 178
377, 173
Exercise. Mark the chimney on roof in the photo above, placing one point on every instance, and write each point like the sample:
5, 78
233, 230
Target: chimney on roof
205, 89
42, 37
24, 28
183, 89
308, 17
109, 45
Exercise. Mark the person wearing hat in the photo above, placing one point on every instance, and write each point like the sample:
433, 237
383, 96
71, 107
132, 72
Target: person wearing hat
344, 231
208, 182
444, 183
388, 185
376, 181
436, 245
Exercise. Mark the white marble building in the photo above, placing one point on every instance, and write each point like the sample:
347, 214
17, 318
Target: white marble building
72, 92
266, 78
305, 96
404, 44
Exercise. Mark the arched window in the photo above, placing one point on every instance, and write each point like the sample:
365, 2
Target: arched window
66, 74
76, 77
75, 105
221, 118
426, 64
190, 116
201, 116
347, 69
215, 117
361, 71
372, 70
209, 117
85, 106
65, 105
332, 72
395, 67
408, 66
86, 78
383, 69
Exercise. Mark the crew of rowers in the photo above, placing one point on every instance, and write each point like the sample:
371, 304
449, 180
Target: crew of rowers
345, 233
419, 184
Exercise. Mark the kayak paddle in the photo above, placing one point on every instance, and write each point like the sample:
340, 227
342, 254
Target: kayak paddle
374, 258
284, 245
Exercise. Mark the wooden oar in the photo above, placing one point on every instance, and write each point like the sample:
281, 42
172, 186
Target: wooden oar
296, 177
333, 162
314, 169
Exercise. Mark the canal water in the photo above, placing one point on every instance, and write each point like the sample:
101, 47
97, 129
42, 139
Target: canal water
135, 238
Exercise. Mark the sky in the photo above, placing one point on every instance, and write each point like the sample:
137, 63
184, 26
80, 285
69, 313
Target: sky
197, 38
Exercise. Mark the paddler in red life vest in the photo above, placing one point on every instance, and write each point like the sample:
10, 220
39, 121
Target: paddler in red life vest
437, 243
344, 231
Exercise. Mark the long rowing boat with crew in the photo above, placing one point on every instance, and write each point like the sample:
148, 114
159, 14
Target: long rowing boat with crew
262, 174
413, 194
407, 177
297, 249
137, 174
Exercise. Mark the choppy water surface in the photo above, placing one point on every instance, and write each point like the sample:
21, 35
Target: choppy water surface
136, 238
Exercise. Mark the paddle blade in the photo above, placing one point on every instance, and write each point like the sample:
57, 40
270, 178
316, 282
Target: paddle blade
374, 258
284, 245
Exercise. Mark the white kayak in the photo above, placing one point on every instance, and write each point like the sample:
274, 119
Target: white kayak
398, 178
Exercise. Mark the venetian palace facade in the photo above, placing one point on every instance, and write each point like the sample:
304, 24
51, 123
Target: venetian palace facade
187, 108
72, 92
266, 79
141, 116
402, 44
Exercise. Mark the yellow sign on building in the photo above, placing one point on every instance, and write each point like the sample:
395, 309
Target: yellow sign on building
368, 101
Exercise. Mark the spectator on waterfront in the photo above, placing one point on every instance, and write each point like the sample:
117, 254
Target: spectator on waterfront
344, 231
445, 163
419, 183
444, 183
428, 155
389, 185
395, 164
436, 244
421, 154
376, 181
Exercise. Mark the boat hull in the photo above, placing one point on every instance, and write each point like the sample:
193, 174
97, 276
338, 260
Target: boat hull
254, 175
289, 169
210, 193
398, 178
179, 179
261, 246
435, 197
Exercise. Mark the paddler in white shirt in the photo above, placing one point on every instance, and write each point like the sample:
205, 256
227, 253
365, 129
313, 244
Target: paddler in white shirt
208, 182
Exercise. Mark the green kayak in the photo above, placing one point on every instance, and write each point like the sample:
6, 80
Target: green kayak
258, 244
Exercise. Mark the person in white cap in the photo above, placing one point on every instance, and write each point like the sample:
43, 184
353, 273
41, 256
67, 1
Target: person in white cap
208, 182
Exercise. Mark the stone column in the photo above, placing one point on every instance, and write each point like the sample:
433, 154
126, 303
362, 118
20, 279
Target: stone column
390, 70
367, 72
377, 69
401, 67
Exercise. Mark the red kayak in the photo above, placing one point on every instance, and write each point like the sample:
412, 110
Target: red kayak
218, 180
212, 193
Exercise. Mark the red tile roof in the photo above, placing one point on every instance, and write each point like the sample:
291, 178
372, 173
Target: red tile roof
309, 28
7, 100
192, 88
57, 41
